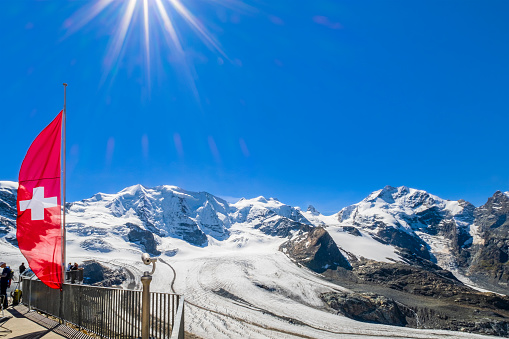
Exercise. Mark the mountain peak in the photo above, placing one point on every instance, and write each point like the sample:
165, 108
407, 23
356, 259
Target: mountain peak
311, 209
390, 194
170, 188
133, 190
499, 196
11, 185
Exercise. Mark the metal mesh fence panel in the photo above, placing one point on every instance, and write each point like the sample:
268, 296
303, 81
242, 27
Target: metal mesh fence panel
108, 312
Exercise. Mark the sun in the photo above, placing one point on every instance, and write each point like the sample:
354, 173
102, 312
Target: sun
155, 15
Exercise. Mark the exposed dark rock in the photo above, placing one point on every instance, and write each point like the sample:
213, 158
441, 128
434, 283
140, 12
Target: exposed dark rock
316, 250
488, 258
312, 210
431, 218
282, 227
171, 253
12, 240
352, 230
372, 307
183, 226
6, 225
403, 240
99, 275
421, 296
195, 236
432, 282
8, 203
265, 287
143, 238
209, 221
8, 214
368, 307
416, 261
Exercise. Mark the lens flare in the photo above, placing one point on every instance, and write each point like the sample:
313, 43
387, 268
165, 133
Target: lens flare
156, 16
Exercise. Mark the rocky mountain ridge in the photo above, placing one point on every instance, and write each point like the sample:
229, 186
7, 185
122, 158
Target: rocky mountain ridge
455, 235
395, 249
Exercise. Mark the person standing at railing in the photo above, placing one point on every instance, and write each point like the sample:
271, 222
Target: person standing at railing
4, 283
22, 268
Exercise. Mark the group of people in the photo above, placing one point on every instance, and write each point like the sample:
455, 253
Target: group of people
7, 275
5, 280
72, 267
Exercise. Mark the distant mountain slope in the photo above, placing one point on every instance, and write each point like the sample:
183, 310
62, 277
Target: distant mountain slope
265, 254
456, 235
8, 190
414, 220
390, 224
163, 210
487, 259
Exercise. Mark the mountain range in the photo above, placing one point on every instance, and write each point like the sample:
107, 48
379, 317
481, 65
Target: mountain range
420, 238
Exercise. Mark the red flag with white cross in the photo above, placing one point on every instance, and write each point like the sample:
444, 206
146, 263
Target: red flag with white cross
39, 206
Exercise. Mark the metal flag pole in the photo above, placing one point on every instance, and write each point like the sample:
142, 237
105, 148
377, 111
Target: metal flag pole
63, 189
62, 228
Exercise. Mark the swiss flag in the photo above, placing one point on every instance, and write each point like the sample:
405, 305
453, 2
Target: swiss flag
38, 221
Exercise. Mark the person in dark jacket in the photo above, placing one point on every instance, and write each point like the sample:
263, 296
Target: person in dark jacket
22, 268
4, 283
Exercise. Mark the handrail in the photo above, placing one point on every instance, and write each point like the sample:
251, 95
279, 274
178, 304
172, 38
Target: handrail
108, 312
178, 327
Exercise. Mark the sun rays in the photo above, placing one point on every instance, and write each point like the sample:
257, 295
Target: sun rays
154, 18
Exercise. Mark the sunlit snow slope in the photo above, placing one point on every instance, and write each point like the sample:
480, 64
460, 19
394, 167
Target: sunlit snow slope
235, 280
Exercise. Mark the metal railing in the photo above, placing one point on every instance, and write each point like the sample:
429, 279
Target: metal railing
108, 312
178, 329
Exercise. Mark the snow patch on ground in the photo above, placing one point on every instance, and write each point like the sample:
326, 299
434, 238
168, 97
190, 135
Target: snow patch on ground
364, 246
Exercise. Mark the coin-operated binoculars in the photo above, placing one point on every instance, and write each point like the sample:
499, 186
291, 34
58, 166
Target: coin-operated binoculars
146, 279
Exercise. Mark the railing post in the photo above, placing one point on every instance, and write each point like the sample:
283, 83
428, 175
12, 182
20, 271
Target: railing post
80, 298
146, 279
177, 331
30, 295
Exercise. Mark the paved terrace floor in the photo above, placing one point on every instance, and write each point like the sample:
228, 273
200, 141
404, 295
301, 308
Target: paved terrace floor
32, 325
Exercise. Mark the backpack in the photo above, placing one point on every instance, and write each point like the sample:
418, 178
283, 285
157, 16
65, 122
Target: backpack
16, 296
10, 276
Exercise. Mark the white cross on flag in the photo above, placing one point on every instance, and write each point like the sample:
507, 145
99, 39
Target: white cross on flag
38, 204
38, 222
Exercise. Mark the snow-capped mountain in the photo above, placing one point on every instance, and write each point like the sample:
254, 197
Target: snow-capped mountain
379, 227
388, 225
247, 251
486, 259
422, 223
407, 209
169, 211
164, 211
468, 241
269, 215
8, 212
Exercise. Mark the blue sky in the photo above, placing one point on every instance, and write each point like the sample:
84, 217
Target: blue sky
313, 102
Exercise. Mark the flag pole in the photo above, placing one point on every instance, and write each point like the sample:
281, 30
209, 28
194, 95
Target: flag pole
63, 193
62, 228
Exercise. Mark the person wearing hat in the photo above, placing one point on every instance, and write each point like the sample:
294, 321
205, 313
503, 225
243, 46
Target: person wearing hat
4, 282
